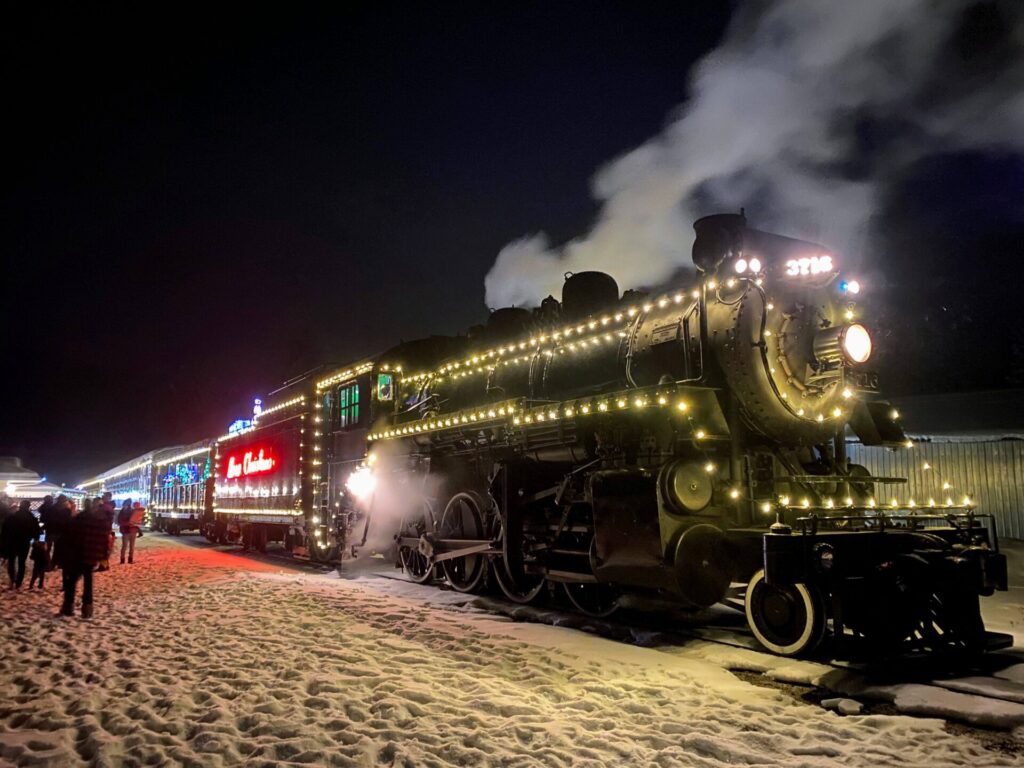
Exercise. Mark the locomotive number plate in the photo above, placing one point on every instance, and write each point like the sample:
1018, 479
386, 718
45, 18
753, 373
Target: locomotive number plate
865, 381
665, 333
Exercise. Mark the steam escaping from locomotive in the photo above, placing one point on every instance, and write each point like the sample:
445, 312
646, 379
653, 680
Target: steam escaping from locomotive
808, 111
384, 500
361, 484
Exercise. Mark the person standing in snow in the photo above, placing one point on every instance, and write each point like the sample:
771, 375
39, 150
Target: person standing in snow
45, 513
40, 563
5, 512
129, 520
19, 530
105, 506
87, 543
60, 518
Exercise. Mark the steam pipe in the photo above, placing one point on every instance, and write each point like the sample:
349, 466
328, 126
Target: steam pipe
369, 516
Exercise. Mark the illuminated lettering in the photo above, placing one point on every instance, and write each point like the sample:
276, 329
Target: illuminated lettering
252, 463
809, 265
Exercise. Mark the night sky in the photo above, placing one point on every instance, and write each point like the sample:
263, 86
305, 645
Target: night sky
197, 207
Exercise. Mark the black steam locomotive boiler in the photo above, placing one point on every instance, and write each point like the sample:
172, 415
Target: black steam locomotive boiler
689, 445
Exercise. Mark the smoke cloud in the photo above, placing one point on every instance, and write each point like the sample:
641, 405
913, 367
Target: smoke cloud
806, 114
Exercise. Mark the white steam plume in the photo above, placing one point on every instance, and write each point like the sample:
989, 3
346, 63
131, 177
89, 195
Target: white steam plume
396, 494
806, 114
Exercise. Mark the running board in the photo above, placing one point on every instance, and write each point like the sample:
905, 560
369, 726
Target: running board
571, 577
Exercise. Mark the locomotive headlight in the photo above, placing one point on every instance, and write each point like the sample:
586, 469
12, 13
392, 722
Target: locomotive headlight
856, 342
851, 342
741, 266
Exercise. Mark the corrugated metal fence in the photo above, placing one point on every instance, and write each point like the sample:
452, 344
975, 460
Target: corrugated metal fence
990, 472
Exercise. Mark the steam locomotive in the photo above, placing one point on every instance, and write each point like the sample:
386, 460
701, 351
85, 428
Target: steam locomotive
689, 445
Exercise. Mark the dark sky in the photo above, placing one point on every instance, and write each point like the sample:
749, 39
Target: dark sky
197, 206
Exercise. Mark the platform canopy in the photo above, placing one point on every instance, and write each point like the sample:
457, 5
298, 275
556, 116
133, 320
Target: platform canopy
18, 482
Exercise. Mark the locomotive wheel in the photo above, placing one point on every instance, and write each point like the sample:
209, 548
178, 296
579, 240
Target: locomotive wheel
531, 588
893, 605
463, 518
787, 620
955, 622
415, 524
522, 587
318, 554
597, 600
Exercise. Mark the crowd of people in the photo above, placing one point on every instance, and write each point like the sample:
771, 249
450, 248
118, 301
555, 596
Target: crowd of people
76, 541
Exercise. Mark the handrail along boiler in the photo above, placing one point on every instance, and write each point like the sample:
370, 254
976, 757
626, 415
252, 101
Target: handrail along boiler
680, 444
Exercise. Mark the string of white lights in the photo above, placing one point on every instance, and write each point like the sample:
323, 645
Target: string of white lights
182, 456
350, 372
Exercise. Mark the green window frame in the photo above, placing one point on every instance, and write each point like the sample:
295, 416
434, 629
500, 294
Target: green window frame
348, 406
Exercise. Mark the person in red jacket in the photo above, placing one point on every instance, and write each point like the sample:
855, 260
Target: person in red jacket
88, 543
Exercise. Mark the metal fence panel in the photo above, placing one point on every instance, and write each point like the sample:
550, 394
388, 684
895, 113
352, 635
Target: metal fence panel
991, 473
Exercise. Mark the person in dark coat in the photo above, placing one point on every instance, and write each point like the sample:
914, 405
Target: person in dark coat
60, 518
45, 511
19, 530
106, 506
40, 563
5, 512
88, 543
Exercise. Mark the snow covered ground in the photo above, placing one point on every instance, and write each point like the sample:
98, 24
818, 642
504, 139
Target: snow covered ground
204, 657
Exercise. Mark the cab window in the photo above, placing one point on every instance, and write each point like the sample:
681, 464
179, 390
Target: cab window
348, 406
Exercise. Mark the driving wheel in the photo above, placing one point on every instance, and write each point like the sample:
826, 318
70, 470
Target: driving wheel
463, 518
414, 525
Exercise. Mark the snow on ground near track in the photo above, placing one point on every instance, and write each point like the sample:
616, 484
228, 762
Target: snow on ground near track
203, 657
